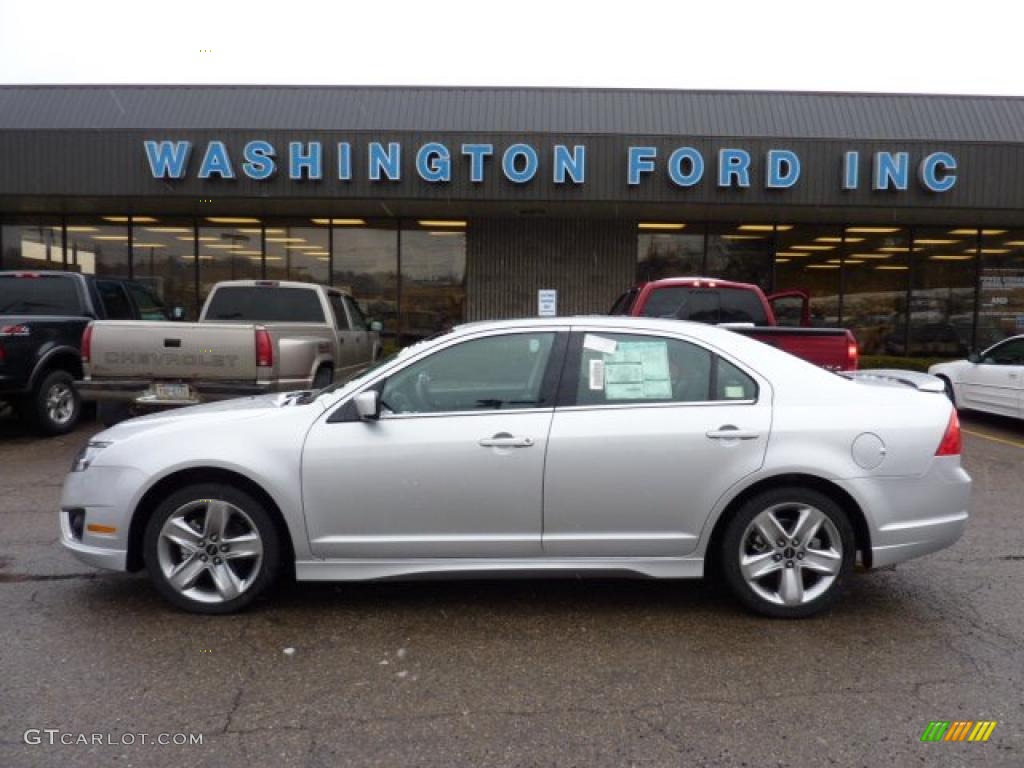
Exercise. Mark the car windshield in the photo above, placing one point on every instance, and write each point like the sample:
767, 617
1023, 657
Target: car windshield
38, 295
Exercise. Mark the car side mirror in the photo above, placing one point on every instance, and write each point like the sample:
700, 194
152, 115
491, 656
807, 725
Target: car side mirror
974, 357
376, 326
178, 314
368, 405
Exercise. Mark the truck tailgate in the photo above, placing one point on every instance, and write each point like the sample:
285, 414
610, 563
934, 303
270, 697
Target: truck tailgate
189, 351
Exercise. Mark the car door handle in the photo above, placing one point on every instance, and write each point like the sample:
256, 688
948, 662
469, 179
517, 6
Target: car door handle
505, 440
731, 433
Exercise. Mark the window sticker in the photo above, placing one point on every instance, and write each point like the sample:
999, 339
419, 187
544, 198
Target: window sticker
734, 391
638, 370
599, 344
597, 375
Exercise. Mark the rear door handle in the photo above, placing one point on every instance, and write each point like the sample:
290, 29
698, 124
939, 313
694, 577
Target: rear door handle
505, 440
731, 433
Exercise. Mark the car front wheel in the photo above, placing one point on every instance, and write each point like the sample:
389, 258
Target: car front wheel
788, 552
211, 548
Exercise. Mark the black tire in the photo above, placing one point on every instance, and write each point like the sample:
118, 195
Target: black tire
262, 576
324, 377
112, 413
784, 499
55, 406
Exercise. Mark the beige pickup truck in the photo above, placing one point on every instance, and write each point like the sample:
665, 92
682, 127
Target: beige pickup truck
253, 336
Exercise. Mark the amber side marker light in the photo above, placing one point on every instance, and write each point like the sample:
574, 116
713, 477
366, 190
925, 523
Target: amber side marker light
97, 528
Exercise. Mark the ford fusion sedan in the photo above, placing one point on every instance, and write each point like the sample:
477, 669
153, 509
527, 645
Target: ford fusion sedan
992, 381
562, 446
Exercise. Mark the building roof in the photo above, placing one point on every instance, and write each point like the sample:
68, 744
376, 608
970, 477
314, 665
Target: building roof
741, 114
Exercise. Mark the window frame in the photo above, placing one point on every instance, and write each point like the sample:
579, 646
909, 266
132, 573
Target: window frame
339, 312
569, 382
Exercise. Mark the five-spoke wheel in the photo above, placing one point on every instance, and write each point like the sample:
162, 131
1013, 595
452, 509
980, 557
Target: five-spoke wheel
211, 548
787, 552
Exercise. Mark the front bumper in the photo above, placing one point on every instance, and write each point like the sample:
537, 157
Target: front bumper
914, 516
106, 497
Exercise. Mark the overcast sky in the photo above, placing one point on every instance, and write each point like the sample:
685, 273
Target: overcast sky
869, 45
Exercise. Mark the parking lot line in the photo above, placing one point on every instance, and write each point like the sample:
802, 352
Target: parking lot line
993, 438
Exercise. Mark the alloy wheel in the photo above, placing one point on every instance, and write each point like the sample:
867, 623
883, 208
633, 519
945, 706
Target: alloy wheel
210, 551
60, 403
790, 554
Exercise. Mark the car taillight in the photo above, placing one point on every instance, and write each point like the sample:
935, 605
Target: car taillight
852, 355
87, 343
264, 348
951, 441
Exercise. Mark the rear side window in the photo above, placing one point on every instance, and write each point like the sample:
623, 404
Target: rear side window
622, 369
340, 320
265, 304
733, 384
42, 295
706, 305
116, 305
624, 303
358, 318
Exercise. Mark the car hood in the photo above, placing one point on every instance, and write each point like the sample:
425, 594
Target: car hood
210, 414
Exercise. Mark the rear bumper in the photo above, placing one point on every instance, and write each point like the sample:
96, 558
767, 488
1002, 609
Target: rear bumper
913, 516
136, 390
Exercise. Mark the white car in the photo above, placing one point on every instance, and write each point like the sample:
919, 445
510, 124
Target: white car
562, 446
992, 381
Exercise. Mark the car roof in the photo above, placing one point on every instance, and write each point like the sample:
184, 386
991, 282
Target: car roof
275, 283
712, 282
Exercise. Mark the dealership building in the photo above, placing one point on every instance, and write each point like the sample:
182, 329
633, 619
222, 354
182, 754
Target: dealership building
901, 216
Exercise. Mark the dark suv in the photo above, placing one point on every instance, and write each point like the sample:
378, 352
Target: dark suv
42, 316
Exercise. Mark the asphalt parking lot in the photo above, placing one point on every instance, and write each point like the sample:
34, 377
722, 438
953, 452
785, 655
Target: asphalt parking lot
517, 673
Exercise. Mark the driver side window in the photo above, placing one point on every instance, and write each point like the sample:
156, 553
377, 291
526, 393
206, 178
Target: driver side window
490, 373
1008, 353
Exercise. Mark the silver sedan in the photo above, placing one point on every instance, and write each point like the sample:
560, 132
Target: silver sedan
565, 446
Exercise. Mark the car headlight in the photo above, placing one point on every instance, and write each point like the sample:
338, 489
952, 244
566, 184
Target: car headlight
87, 455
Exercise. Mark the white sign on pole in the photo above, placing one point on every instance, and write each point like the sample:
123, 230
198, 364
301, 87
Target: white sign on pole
547, 302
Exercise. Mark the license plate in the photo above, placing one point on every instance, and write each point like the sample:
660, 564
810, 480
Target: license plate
172, 391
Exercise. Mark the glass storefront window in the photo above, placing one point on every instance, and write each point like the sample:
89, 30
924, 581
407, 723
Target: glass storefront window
433, 296
32, 243
942, 302
1001, 303
875, 289
741, 252
668, 250
808, 262
230, 248
366, 266
163, 259
298, 251
98, 246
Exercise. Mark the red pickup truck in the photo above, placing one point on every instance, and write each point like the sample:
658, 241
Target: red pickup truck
745, 309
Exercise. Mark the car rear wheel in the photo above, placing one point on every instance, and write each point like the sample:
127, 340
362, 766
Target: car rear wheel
55, 405
211, 548
788, 552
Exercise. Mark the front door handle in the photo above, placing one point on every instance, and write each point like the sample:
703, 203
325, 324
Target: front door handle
505, 440
729, 432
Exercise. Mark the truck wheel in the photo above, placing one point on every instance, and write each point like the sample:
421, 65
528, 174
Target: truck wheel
211, 548
323, 377
55, 405
110, 414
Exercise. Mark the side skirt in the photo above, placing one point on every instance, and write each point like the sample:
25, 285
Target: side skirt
372, 569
